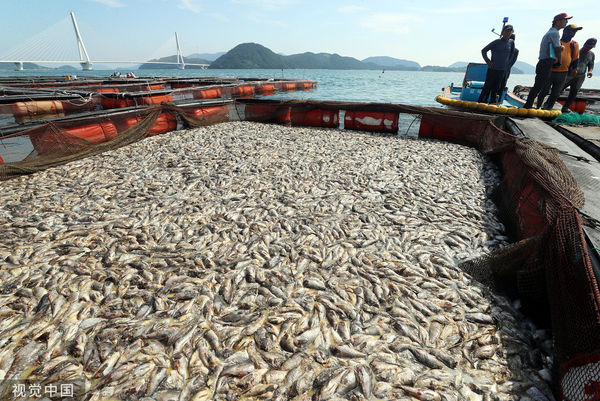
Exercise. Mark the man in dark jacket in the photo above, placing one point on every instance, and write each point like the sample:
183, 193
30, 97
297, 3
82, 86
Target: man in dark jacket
510, 64
502, 50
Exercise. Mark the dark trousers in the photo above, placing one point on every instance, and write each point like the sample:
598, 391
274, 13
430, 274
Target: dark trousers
574, 84
493, 79
543, 70
503, 84
555, 86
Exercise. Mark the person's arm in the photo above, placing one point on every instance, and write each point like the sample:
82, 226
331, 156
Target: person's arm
484, 53
558, 51
591, 64
558, 48
513, 58
574, 59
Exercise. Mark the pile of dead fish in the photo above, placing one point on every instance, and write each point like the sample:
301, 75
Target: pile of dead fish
249, 261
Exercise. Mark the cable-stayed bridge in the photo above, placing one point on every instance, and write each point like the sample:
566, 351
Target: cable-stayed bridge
37, 51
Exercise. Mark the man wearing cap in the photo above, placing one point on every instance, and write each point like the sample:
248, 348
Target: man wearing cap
502, 51
586, 62
567, 67
550, 52
509, 66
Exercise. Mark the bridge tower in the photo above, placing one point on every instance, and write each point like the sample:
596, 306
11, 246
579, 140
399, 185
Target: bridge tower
86, 64
180, 61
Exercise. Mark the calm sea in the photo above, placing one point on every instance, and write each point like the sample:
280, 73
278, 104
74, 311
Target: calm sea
407, 87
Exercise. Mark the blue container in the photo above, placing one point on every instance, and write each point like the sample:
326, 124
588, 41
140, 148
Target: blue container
473, 82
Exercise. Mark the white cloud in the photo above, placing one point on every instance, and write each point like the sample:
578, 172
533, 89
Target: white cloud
268, 4
351, 9
190, 5
110, 3
393, 23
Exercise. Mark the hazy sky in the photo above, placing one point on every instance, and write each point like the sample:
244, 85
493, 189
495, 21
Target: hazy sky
430, 32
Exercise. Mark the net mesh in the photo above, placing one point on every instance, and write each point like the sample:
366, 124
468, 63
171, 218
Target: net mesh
577, 119
582, 381
54, 144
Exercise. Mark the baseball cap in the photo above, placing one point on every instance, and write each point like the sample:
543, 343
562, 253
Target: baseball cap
506, 27
573, 27
561, 16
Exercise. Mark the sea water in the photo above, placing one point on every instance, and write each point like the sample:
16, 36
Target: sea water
401, 87
406, 87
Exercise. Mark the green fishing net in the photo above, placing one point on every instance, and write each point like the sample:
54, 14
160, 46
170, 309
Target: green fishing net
577, 119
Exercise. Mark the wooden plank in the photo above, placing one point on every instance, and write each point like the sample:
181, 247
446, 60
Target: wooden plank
592, 134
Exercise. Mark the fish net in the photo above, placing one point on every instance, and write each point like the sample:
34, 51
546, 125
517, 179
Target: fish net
549, 266
59, 142
577, 119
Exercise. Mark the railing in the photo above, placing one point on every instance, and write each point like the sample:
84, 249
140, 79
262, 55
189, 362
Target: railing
99, 62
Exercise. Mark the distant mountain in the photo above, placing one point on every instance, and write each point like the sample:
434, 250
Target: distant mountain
26, 66
327, 61
173, 59
438, 68
249, 55
206, 56
520, 67
524, 67
253, 55
393, 63
458, 64
67, 67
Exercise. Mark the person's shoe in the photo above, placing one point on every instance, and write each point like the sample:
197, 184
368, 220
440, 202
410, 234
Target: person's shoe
565, 111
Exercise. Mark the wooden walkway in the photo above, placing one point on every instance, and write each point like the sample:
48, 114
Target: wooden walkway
584, 167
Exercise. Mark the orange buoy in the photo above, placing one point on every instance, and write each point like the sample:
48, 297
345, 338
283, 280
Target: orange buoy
165, 122
371, 121
37, 107
315, 118
95, 133
201, 113
213, 93
264, 88
116, 103
126, 123
49, 142
156, 99
107, 90
243, 90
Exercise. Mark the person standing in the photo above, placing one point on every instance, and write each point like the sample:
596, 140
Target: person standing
550, 52
567, 67
509, 66
586, 62
502, 50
